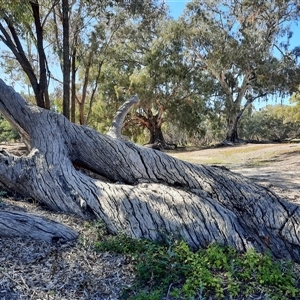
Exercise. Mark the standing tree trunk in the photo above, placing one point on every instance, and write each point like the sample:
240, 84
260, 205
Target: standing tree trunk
234, 119
73, 85
156, 135
232, 129
43, 94
66, 59
81, 102
157, 140
11, 39
139, 191
154, 124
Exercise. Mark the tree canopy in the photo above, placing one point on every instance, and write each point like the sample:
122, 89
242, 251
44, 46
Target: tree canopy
198, 73
244, 46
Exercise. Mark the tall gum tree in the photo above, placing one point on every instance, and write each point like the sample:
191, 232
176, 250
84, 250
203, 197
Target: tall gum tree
244, 46
18, 19
100, 45
89, 36
129, 36
168, 87
73, 35
139, 191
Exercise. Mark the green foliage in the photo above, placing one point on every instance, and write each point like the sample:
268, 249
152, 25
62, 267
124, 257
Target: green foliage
156, 265
7, 132
234, 43
92, 233
271, 123
295, 108
100, 117
194, 72
222, 272
121, 244
219, 272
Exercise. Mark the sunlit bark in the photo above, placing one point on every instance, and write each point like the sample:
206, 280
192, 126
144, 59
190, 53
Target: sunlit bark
139, 191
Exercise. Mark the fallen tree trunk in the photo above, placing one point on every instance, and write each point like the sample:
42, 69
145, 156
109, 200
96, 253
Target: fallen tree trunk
20, 224
139, 191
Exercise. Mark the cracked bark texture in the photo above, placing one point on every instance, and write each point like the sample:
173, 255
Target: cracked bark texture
115, 130
14, 224
139, 191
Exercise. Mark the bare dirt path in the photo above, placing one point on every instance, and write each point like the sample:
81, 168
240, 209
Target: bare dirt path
276, 166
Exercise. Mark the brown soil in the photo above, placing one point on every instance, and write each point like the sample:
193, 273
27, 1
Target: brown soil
37, 270
276, 166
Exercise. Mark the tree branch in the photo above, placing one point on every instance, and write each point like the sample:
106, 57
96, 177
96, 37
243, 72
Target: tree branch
21, 224
117, 124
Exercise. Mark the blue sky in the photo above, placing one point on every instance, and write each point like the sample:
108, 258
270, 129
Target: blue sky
176, 7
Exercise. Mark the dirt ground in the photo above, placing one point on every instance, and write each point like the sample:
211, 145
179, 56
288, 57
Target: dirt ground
276, 166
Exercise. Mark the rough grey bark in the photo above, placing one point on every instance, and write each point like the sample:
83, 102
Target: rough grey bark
16, 224
115, 130
141, 192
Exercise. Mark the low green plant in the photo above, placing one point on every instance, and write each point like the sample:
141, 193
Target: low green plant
122, 244
7, 132
93, 232
156, 265
172, 269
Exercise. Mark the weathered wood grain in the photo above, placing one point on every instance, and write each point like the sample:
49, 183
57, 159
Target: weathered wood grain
21, 224
146, 193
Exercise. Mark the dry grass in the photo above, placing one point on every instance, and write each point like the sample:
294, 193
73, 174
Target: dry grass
238, 155
38, 270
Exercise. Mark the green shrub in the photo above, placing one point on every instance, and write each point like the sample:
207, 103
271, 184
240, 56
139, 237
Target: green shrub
172, 269
7, 132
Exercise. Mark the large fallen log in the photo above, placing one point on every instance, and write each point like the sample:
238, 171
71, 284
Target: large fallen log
139, 191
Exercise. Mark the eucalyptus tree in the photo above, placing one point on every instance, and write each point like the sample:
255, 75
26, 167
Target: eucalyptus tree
72, 31
244, 46
73, 36
273, 122
91, 29
100, 44
164, 85
125, 38
294, 110
66, 60
156, 69
22, 32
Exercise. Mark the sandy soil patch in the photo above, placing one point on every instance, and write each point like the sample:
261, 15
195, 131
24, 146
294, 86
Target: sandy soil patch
276, 166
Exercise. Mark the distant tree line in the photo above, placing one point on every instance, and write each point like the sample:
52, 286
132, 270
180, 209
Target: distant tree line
197, 77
